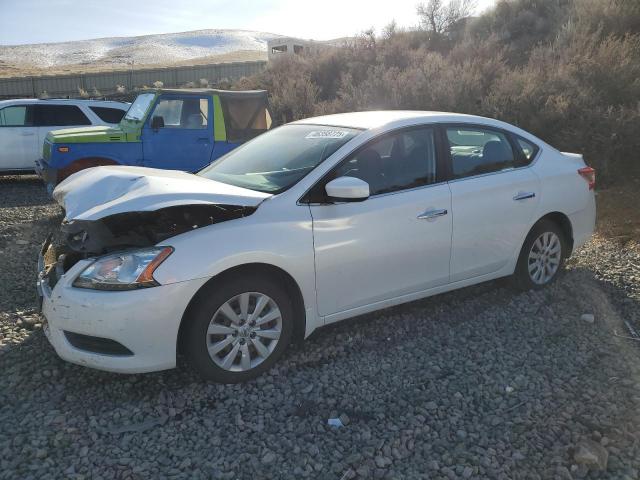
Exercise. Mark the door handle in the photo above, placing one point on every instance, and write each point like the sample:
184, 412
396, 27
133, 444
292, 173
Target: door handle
432, 214
27, 134
524, 195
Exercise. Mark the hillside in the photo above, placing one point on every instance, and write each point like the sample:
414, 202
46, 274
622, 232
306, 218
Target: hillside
126, 52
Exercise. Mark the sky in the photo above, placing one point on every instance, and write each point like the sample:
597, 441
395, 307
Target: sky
48, 21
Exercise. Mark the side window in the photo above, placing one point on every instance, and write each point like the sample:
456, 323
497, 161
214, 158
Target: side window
109, 115
16, 116
475, 151
398, 161
245, 117
60, 116
529, 150
188, 113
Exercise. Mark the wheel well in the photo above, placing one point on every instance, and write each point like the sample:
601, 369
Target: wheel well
564, 223
265, 269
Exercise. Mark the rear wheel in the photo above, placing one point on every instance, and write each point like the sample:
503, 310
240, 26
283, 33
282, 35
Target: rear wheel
542, 256
239, 330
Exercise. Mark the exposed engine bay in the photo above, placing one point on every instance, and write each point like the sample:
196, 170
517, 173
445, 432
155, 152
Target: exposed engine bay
142, 229
79, 239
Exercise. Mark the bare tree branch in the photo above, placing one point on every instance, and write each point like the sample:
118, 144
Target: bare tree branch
439, 16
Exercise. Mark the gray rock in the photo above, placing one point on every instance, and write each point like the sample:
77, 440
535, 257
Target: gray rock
592, 454
269, 457
587, 317
431, 405
381, 462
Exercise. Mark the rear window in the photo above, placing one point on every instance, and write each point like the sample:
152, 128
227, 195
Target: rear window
60, 116
109, 115
245, 117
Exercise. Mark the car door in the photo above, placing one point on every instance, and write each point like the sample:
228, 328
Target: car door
395, 243
185, 142
18, 138
494, 196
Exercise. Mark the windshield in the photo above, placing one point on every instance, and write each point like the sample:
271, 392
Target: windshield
278, 159
139, 108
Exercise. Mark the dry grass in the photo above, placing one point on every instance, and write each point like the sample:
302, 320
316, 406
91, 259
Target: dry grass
17, 70
619, 214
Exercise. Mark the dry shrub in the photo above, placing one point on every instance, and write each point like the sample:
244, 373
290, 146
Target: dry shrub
293, 94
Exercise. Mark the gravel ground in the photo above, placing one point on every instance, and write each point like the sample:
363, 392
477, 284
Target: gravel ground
479, 383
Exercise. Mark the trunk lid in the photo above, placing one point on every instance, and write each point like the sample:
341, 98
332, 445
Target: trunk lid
99, 192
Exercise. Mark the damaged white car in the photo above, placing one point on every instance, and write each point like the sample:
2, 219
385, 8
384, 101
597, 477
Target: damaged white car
310, 223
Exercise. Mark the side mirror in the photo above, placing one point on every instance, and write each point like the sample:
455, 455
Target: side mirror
347, 189
157, 123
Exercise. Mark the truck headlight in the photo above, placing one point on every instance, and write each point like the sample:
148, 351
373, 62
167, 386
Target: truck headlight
124, 271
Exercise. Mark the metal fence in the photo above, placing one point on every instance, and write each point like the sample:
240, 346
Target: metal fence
106, 83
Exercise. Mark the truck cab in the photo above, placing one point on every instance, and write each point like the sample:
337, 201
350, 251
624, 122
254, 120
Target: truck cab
174, 129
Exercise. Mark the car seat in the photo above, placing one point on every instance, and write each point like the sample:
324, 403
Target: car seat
371, 169
194, 121
496, 152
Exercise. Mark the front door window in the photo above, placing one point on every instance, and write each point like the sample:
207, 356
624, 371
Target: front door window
187, 113
398, 161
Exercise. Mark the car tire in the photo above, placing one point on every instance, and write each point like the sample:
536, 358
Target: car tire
542, 256
218, 324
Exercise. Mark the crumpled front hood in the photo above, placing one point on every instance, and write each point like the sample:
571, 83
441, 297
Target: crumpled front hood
99, 192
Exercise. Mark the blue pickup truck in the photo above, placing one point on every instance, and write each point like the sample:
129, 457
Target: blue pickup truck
175, 129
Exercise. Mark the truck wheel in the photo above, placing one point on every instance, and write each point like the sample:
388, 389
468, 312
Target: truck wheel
238, 329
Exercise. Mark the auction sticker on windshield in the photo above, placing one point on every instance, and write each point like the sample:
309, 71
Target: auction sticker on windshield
327, 134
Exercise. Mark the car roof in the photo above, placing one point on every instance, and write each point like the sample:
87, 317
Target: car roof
29, 101
390, 119
380, 118
384, 120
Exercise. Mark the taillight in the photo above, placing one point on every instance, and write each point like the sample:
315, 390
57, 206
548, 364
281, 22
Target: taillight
589, 174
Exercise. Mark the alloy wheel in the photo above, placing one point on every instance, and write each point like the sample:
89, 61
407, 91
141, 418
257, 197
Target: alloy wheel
244, 331
544, 258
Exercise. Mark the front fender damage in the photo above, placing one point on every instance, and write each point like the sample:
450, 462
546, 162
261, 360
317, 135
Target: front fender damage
81, 239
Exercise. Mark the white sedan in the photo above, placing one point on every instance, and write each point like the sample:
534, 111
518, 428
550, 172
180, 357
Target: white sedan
311, 223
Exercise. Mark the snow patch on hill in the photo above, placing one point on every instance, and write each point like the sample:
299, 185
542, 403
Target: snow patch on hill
147, 50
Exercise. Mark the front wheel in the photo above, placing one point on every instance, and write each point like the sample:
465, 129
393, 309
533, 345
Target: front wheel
239, 329
542, 256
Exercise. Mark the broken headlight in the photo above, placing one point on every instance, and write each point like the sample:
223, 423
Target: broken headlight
123, 271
